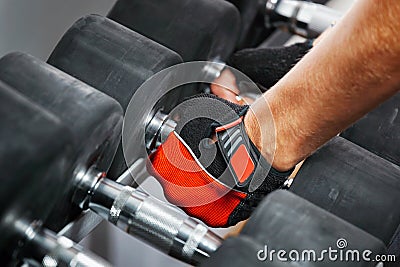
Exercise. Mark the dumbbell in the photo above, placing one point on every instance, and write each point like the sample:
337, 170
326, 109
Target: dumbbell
93, 117
195, 29
378, 131
304, 18
117, 61
95, 121
354, 184
285, 221
299, 16
33, 172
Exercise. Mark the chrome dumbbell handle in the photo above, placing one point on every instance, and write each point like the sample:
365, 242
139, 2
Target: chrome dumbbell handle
155, 222
159, 126
45, 248
300, 17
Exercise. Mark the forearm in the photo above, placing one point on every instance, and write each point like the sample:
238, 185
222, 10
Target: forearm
353, 69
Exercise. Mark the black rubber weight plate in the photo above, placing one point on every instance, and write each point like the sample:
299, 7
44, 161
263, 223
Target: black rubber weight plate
94, 118
379, 130
34, 156
286, 221
114, 60
195, 29
353, 184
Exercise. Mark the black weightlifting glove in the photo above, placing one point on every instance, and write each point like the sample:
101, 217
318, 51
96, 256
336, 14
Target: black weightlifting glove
209, 166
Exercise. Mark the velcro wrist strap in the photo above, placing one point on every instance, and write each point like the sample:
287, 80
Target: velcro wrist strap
247, 166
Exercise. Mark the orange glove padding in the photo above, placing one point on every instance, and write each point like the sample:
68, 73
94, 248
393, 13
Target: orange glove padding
186, 184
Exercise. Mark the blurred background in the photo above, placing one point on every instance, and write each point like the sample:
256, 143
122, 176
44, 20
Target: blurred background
36, 26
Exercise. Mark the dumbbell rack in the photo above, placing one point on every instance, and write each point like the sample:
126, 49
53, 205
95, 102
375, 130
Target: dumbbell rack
86, 221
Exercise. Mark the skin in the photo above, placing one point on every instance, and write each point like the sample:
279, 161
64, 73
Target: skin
354, 68
229, 90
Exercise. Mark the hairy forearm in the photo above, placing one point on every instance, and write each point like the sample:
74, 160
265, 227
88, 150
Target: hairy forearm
351, 70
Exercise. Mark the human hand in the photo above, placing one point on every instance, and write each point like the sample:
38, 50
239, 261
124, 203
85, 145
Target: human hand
209, 166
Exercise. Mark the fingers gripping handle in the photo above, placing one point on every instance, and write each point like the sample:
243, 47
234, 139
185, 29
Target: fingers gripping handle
160, 225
